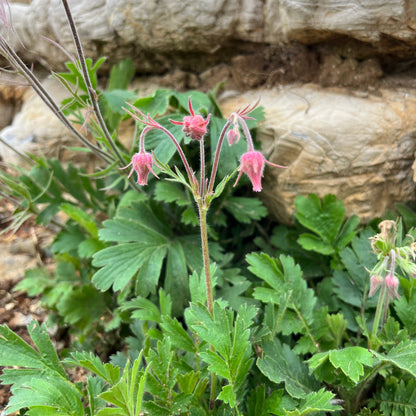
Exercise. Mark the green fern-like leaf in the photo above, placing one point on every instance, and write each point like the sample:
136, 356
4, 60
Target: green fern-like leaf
284, 278
41, 380
398, 398
232, 356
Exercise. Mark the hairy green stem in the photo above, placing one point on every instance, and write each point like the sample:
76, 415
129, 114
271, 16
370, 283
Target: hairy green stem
364, 384
202, 210
305, 323
202, 183
381, 305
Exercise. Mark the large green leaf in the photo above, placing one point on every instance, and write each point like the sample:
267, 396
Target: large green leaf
145, 241
119, 264
325, 218
280, 364
47, 391
319, 401
176, 278
144, 245
40, 380
231, 357
16, 352
245, 210
284, 278
349, 360
402, 356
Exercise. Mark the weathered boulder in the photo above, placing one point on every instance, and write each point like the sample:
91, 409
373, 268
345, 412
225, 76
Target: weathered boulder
159, 34
359, 147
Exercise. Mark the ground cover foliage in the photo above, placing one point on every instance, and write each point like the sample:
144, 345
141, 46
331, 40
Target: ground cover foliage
291, 329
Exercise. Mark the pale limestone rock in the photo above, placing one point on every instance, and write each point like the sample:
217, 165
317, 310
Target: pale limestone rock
154, 32
315, 20
359, 148
35, 129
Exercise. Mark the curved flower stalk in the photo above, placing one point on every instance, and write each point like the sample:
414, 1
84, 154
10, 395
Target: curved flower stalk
151, 125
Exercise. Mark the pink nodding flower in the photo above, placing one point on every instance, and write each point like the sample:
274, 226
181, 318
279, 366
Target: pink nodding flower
194, 126
392, 284
252, 164
142, 163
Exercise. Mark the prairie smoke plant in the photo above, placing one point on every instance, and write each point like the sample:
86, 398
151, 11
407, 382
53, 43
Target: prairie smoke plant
195, 126
393, 256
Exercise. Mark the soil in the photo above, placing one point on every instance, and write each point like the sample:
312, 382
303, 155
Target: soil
20, 251
345, 62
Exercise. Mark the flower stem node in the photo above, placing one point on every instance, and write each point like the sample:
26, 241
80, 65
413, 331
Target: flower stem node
142, 163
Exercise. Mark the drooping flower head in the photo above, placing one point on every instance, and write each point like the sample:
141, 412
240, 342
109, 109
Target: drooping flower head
233, 135
375, 283
392, 285
252, 164
142, 163
194, 126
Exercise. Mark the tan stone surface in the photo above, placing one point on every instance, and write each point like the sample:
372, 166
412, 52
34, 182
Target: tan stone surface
358, 147
157, 32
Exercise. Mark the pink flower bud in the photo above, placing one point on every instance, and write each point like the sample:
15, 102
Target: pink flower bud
375, 282
392, 284
233, 136
142, 163
194, 126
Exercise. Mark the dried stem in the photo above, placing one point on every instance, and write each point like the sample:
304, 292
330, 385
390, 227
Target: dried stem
91, 92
